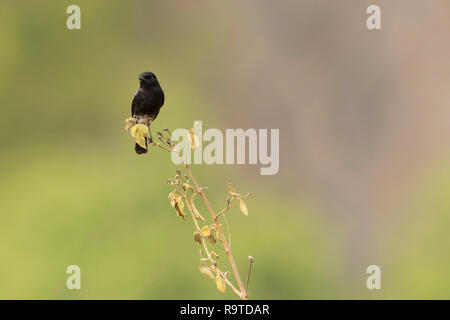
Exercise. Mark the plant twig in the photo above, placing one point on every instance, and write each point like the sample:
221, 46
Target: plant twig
250, 261
176, 200
242, 293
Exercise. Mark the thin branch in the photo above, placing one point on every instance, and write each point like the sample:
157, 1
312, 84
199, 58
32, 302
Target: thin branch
228, 229
207, 250
157, 144
198, 229
241, 292
250, 261
225, 209
219, 230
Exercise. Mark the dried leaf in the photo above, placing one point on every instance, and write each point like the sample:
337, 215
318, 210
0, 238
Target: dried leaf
140, 132
212, 240
173, 195
197, 237
220, 283
243, 207
179, 206
206, 271
142, 142
205, 231
176, 201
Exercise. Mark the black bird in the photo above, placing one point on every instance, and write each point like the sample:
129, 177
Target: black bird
147, 101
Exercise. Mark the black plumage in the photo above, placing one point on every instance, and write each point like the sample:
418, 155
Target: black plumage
147, 102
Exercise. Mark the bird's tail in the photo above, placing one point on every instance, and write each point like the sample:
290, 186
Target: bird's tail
139, 149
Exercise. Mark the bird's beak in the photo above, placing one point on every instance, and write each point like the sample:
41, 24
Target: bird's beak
141, 78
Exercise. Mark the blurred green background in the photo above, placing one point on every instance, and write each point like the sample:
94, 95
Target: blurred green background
364, 167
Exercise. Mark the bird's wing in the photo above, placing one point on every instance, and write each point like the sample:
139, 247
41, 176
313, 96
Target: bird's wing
162, 99
137, 99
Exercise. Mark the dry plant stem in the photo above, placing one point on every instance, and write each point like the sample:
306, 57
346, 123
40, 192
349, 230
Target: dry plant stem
191, 211
242, 293
249, 272
157, 144
229, 204
223, 211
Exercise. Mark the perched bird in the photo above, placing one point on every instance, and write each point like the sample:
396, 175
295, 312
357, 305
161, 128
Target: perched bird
147, 101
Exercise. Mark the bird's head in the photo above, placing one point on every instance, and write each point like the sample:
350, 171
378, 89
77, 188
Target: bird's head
147, 79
